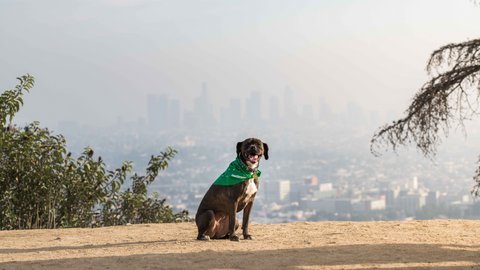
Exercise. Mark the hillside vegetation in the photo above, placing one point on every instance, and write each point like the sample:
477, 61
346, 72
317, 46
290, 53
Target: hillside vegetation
44, 187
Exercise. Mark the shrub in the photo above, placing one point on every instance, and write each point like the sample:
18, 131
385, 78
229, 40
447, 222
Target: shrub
42, 186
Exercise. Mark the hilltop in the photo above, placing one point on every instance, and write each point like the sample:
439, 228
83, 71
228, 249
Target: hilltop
444, 244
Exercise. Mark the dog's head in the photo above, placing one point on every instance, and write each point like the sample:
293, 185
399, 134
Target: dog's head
251, 150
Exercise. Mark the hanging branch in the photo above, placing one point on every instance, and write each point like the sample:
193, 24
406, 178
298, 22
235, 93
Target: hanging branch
451, 96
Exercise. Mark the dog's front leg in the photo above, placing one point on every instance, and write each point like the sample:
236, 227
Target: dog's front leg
232, 216
246, 217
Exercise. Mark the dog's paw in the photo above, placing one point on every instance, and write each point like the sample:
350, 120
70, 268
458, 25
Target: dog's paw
203, 237
234, 238
247, 237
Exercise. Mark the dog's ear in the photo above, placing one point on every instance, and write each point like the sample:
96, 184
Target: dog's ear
265, 150
239, 148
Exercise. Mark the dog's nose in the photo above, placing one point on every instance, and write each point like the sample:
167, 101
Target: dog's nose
254, 147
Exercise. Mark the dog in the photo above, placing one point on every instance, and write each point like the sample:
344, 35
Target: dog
232, 192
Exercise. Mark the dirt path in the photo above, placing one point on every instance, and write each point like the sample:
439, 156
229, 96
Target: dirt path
432, 244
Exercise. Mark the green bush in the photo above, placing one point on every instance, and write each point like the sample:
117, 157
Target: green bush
42, 186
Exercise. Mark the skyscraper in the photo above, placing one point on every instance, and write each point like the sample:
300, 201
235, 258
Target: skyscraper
202, 107
152, 112
274, 118
190, 120
225, 117
174, 113
355, 116
141, 124
289, 106
162, 113
253, 115
277, 191
324, 112
307, 112
120, 123
235, 111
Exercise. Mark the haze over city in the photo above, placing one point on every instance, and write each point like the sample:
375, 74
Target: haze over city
314, 79
97, 60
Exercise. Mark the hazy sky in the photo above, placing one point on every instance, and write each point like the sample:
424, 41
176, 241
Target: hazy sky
94, 60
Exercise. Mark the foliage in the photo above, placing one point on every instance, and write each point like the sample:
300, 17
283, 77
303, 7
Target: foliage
42, 186
133, 206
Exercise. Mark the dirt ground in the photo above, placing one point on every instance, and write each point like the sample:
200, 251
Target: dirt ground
432, 244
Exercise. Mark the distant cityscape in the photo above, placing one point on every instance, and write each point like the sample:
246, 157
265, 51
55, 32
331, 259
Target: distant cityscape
320, 165
164, 113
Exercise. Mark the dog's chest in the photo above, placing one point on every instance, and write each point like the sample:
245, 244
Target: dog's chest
251, 189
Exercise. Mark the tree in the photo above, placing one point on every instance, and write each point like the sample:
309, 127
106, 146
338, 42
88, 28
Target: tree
450, 97
42, 186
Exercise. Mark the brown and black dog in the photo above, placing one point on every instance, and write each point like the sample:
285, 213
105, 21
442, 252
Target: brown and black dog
216, 215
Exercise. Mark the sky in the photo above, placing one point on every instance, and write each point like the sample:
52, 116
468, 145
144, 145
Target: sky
96, 60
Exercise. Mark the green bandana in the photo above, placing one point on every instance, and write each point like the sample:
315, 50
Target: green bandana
235, 174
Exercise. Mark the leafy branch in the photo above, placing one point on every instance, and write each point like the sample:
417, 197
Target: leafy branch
42, 186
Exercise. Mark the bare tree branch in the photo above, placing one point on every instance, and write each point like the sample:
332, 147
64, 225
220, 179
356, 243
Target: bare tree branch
442, 101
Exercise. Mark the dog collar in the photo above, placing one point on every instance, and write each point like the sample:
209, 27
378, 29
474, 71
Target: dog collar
246, 166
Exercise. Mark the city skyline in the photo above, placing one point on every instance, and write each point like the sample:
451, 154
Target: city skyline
163, 113
245, 111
